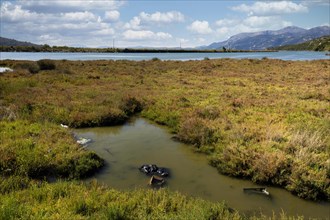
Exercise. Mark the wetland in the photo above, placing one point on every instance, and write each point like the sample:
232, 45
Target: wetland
263, 121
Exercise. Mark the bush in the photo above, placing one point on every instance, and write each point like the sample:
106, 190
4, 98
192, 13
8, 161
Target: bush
155, 59
195, 131
86, 165
32, 67
234, 160
46, 64
271, 167
131, 105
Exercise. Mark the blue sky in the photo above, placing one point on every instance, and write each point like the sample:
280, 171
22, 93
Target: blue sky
95, 23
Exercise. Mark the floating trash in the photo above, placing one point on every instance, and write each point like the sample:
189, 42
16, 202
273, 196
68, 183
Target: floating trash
152, 169
5, 69
261, 190
64, 126
156, 181
83, 141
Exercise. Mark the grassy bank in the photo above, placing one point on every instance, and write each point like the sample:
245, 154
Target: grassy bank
71, 200
32, 152
266, 120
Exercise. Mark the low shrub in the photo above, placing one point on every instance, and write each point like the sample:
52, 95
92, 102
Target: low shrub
234, 160
86, 165
32, 67
309, 183
46, 64
272, 168
196, 131
155, 59
131, 105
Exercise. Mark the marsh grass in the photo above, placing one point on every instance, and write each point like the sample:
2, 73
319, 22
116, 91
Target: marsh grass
71, 200
37, 151
265, 120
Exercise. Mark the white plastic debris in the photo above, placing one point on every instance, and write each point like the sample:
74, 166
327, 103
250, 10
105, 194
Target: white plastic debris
83, 141
5, 69
64, 126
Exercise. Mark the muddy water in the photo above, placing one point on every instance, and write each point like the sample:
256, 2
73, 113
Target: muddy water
127, 147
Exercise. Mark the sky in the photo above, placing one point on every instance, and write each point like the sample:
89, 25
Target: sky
152, 23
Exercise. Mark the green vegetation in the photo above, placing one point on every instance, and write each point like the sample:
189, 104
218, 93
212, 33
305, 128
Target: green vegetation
318, 44
71, 200
266, 120
41, 150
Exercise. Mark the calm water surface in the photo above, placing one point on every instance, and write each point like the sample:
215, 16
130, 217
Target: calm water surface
125, 148
284, 55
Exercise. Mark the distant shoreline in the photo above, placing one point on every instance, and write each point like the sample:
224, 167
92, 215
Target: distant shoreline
64, 49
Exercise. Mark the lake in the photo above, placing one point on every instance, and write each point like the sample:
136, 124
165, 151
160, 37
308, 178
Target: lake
284, 55
125, 148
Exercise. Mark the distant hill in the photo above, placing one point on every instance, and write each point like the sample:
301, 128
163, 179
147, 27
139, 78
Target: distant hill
11, 42
269, 39
318, 44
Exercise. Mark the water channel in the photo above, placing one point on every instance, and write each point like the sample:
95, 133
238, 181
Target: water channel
125, 148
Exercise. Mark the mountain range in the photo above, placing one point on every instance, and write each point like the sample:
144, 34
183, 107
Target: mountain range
244, 41
268, 39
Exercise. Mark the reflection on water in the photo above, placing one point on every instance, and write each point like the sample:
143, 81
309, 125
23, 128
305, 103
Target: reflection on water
125, 148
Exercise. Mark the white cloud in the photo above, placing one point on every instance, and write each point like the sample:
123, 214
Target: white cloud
138, 22
13, 13
145, 35
134, 23
265, 22
226, 22
111, 15
271, 8
223, 31
251, 24
25, 24
165, 17
56, 6
78, 16
105, 31
200, 27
